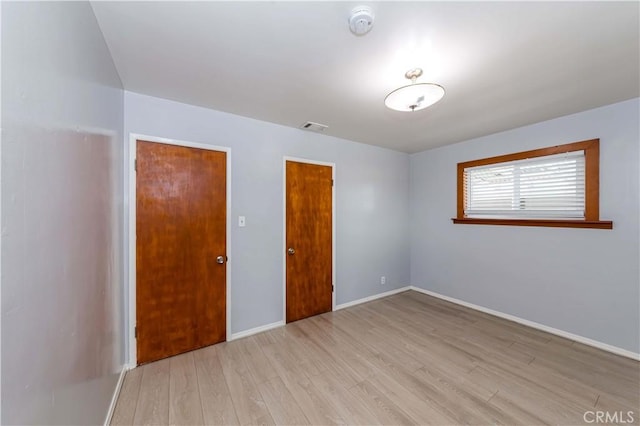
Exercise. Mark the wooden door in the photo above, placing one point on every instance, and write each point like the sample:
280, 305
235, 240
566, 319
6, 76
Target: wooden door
309, 240
180, 234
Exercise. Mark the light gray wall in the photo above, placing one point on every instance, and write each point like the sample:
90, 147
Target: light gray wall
584, 281
62, 292
372, 190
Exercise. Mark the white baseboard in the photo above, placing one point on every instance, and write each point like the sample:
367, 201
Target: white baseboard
370, 298
256, 330
580, 339
260, 329
116, 393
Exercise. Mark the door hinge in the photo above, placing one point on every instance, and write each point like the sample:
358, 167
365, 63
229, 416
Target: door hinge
135, 332
332, 290
135, 165
331, 182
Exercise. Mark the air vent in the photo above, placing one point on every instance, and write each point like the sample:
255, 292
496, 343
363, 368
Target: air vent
314, 127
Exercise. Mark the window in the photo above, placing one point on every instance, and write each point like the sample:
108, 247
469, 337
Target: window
547, 186
557, 186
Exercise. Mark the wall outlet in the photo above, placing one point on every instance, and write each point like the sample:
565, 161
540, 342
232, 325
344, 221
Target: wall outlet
383, 280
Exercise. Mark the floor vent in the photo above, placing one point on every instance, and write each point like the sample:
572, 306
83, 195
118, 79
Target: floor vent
314, 127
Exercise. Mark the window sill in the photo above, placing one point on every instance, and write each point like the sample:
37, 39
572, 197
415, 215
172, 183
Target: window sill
553, 223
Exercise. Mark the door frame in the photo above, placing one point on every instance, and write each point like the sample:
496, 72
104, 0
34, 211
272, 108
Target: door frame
133, 144
284, 230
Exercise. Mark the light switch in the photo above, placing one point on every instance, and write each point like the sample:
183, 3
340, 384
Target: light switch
241, 221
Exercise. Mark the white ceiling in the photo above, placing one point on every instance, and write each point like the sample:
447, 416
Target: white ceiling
503, 64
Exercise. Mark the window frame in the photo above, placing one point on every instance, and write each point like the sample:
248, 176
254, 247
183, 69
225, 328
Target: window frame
591, 219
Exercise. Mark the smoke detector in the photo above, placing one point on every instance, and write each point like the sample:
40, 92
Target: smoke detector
361, 20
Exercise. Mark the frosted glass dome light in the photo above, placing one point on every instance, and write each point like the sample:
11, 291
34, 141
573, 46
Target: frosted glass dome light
415, 96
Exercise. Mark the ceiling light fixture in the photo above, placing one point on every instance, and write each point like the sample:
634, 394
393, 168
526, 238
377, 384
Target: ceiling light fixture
415, 96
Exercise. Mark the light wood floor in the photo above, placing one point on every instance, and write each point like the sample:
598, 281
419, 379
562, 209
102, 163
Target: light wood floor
405, 359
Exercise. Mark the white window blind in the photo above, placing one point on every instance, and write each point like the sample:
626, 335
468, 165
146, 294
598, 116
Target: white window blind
551, 186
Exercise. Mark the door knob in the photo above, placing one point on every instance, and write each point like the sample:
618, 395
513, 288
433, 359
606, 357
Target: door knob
291, 250
220, 259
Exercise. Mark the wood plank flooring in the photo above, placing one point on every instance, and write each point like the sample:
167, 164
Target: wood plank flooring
407, 359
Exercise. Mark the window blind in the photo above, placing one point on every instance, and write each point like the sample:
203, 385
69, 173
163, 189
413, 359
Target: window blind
551, 186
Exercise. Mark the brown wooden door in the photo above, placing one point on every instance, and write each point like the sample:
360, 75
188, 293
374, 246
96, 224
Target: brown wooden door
309, 239
181, 230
